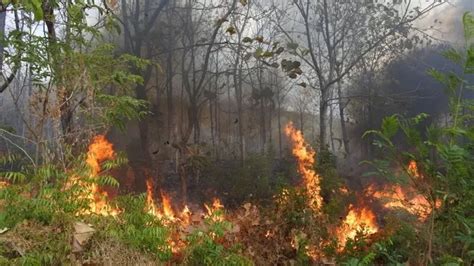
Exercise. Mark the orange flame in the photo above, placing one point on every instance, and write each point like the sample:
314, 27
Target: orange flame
167, 209
407, 198
404, 198
357, 220
305, 157
185, 216
150, 202
4, 184
166, 213
413, 169
213, 209
99, 150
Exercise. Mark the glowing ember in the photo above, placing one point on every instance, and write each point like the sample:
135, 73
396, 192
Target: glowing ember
99, 150
305, 157
361, 220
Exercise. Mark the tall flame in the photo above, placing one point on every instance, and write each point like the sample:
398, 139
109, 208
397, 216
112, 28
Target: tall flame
357, 220
167, 209
150, 201
305, 157
100, 150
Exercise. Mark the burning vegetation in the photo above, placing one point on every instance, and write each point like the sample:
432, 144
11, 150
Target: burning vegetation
236, 132
99, 151
182, 229
305, 157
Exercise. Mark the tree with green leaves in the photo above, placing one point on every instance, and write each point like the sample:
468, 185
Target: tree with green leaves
77, 85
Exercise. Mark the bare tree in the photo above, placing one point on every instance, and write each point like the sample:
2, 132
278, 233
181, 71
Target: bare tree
335, 37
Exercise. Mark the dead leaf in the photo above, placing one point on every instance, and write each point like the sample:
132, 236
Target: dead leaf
82, 233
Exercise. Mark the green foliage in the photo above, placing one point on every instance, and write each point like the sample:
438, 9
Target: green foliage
331, 183
141, 230
445, 161
204, 247
293, 207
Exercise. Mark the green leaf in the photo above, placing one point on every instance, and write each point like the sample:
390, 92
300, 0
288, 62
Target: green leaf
453, 55
247, 40
15, 177
258, 52
390, 126
231, 30
469, 66
292, 46
468, 22
37, 9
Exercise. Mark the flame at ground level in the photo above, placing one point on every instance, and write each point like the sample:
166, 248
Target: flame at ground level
396, 196
361, 220
99, 151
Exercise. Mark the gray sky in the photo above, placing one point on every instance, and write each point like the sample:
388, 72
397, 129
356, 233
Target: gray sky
448, 26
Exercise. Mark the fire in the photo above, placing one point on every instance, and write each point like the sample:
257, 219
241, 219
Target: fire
4, 184
413, 169
185, 216
99, 150
357, 220
305, 157
166, 213
213, 210
182, 222
150, 201
405, 198
167, 210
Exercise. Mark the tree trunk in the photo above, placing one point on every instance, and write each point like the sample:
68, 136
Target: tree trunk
184, 184
323, 109
218, 126
263, 126
302, 121
279, 132
3, 16
370, 123
342, 106
169, 96
241, 132
143, 128
270, 116
331, 129
211, 118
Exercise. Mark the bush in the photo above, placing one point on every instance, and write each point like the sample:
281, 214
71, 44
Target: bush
205, 246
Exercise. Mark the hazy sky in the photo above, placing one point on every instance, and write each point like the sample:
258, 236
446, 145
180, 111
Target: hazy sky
449, 21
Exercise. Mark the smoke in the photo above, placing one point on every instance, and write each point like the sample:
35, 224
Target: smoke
445, 23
